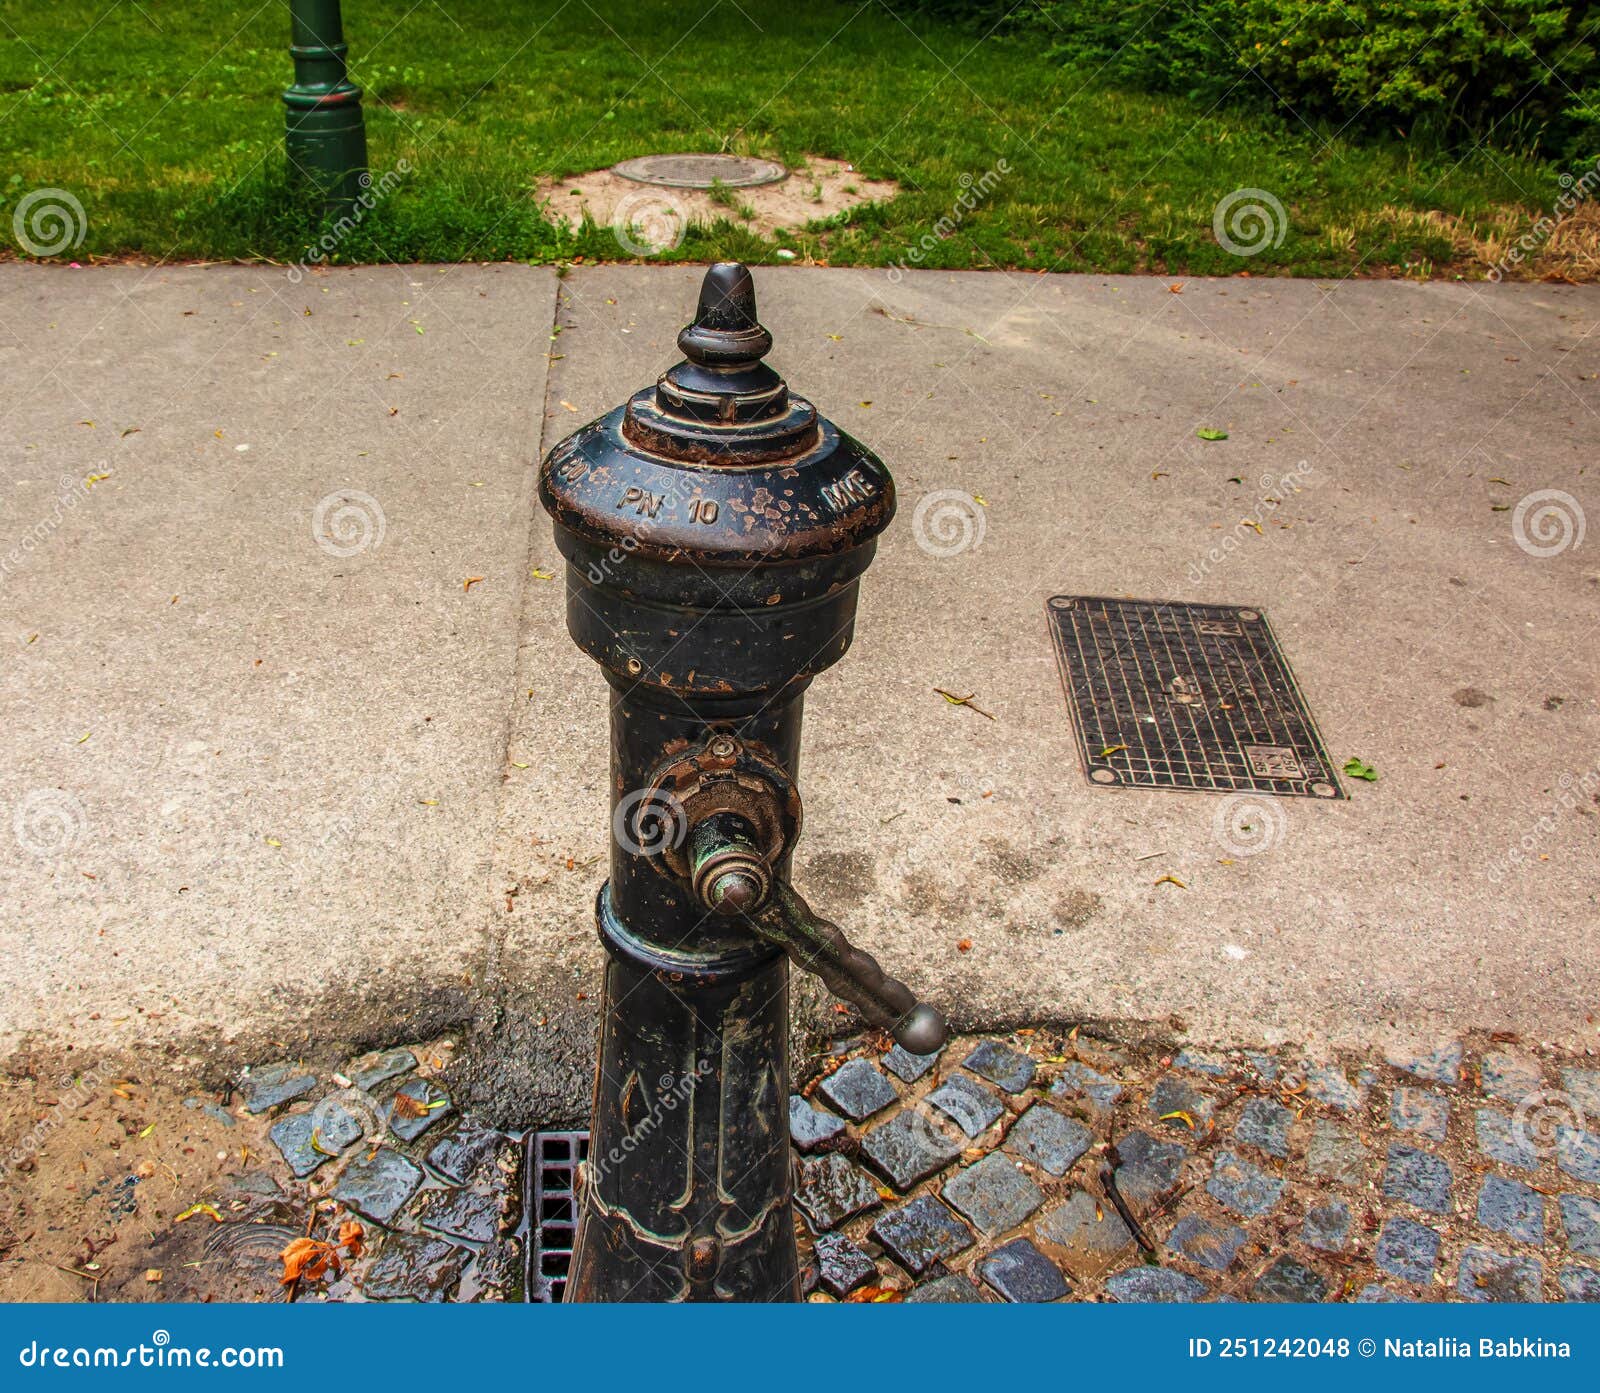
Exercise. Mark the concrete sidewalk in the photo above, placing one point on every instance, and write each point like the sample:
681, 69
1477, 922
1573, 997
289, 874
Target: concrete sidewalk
254, 716
434, 865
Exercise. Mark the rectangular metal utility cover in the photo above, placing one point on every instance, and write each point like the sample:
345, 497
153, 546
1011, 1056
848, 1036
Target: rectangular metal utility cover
1193, 697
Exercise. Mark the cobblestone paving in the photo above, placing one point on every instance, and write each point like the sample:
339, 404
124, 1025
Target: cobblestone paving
1038, 1166
380, 1140
1042, 1167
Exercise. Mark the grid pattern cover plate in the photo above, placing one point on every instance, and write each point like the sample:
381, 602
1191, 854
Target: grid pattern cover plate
1181, 696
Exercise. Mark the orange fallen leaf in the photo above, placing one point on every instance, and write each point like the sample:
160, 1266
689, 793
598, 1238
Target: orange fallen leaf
407, 1106
351, 1236
470, 581
308, 1259
965, 946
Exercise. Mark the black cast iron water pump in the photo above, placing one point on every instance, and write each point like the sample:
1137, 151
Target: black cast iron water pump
715, 529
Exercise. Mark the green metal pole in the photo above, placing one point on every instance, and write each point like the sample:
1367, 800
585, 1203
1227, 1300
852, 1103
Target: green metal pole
326, 138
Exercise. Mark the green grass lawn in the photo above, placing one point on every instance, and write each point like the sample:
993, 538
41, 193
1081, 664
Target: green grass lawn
163, 119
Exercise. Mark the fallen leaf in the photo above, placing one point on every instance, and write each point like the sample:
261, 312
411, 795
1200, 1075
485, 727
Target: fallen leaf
1178, 1116
152, 1274
1110, 750
1251, 522
351, 1237
538, 574
966, 701
201, 1208
470, 581
407, 1106
1358, 769
308, 1258
1171, 880
1211, 433
965, 946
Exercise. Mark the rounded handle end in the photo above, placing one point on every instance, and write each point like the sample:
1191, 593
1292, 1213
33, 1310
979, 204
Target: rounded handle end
922, 1030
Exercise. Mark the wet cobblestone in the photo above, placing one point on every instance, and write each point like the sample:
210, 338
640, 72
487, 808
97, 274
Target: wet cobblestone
380, 1139
1449, 1171
1065, 1175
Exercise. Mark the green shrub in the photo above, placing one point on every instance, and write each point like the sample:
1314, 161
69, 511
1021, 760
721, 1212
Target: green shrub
1520, 72
1451, 63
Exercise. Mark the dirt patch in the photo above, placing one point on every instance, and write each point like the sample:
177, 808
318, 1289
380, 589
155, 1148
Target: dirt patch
648, 219
117, 1186
97, 1165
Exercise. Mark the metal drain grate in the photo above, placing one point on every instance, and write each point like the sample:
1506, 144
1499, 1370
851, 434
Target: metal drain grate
550, 1199
1180, 696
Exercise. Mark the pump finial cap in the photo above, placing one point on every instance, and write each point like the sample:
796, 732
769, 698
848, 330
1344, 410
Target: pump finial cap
726, 332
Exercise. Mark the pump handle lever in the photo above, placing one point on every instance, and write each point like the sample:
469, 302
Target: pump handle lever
819, 946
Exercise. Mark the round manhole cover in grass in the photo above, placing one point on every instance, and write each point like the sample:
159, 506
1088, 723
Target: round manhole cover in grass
701, 171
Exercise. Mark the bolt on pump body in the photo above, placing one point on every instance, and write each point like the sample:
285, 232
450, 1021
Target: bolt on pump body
715, 529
